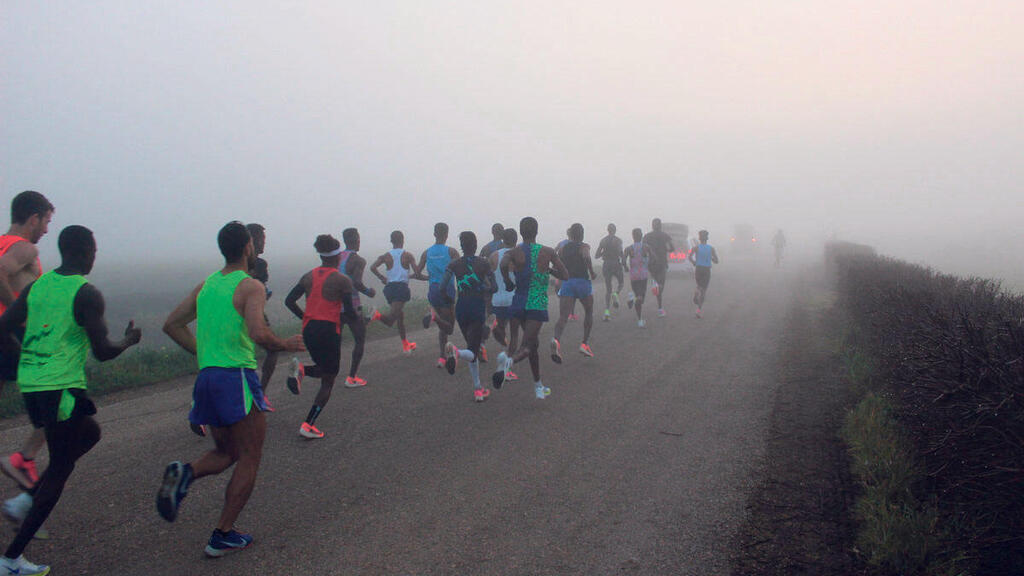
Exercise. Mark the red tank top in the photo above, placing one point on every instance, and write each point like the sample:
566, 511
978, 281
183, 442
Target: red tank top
6, 241
318, 307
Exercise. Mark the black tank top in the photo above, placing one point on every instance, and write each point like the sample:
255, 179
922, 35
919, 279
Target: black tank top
573, 261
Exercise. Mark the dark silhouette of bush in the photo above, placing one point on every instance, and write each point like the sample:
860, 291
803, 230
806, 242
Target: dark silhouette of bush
951, 353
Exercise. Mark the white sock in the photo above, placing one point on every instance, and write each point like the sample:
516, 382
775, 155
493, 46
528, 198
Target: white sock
474, 371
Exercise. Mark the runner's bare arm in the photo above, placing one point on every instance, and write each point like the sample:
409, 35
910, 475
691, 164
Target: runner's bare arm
17, 258
504, 265
348, 307
358, 267
417, 272
176, 325
600, 248
714, 255
589, 261
449, 274
13, 317
253, 298
380, 261
291, 301
556, 266
88, 309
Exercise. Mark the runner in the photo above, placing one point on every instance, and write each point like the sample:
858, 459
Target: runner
398, 263
779, 242
228, 310
575, 254
19, 266
473, 277
702, 258
436, 259
498, 232
610, 252
328, 295
558, 283
353, 265
637, 255
261, 272
532, 264
661, 245
62, 315
502, 300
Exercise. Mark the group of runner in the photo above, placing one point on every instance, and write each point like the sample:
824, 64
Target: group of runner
53, 320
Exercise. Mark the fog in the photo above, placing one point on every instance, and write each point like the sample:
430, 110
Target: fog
897, 124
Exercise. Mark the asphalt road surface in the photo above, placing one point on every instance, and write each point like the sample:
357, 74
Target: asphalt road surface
640, 462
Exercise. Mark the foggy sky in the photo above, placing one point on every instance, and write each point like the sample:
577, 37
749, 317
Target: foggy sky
898, 124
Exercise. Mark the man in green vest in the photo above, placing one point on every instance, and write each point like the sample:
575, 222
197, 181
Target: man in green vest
63, 318
228, 310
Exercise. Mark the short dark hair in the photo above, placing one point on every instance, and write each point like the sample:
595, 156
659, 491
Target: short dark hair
232, 240
397, 237
75, 242
350, 236
468, 241
497, 228
440, 229
256, 230
638, 234
611, 228
509, 236
576, 232
28, 204
528, 228
326, 243
703, 234
656, 224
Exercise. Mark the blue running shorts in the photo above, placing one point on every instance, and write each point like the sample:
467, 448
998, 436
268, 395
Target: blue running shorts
576, 288
223, 396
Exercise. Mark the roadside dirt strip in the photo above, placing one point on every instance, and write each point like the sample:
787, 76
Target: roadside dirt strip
641, 461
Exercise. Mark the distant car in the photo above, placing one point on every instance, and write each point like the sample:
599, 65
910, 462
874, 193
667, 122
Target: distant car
744, 239
679, 260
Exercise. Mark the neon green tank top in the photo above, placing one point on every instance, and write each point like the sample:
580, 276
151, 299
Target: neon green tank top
55, 347
222, 339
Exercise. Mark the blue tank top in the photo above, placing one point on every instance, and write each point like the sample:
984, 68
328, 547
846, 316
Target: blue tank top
704, 255
437, 260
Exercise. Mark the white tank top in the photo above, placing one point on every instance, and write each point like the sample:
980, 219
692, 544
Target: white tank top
397, 272
502, 297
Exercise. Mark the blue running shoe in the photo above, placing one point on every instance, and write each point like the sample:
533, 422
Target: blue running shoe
542, 391
223, 542
177, 478
22, 567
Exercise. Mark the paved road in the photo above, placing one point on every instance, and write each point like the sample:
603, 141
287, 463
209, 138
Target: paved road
640, 462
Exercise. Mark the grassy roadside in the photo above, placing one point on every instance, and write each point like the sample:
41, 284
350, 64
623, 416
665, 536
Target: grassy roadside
144, 366
899, 532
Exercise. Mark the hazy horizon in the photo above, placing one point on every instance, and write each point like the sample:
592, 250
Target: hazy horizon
892, 124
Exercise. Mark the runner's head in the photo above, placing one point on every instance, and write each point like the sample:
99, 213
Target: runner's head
611, 229
497, 230
259, 236
528, 229
77, 248
510, 237
397, 239
329, 249
440, 233
576, 232
351, 238
467, 240
31, 211
236, 244
656, 224
638, 234
703, 234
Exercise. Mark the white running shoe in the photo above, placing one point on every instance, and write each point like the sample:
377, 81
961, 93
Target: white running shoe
641, 323
541, 391
629, 301
662, 313
22, 567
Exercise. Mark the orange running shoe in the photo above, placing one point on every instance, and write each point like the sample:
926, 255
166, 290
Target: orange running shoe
483, 354
556, 351
586, 351
354, 382
376, 315
481, 394
307, 430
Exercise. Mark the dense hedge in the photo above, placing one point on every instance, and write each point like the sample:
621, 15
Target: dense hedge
951, 353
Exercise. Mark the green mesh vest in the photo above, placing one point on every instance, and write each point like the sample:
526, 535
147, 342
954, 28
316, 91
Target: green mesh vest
222, 339
55, 347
